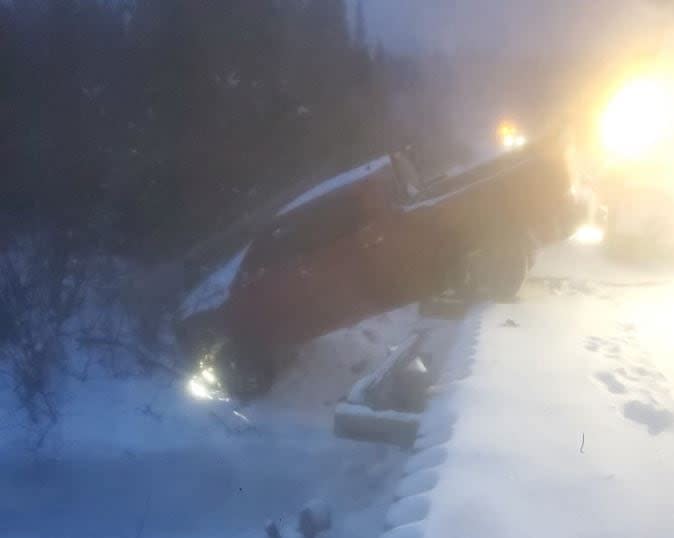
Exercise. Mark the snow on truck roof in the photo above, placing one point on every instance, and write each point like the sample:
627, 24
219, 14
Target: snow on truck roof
334, 183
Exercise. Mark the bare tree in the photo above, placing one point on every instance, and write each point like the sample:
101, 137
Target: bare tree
41, 286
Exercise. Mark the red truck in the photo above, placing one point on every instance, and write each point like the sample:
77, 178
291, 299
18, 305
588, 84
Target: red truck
371, 240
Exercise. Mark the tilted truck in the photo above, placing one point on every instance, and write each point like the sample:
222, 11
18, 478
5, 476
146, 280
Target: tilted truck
370, 240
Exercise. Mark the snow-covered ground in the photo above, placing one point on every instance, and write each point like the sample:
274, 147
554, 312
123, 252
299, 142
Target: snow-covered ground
140, 457
565, 425
553, 416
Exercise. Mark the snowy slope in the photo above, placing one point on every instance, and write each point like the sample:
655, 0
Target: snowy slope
565, 427
131, 453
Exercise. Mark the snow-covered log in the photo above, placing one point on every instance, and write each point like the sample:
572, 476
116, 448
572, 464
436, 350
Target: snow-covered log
363, 423
378, 389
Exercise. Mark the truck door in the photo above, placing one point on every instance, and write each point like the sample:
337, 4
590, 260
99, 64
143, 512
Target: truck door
398, 243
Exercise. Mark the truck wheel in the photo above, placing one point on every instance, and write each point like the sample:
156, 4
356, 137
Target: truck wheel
497, 270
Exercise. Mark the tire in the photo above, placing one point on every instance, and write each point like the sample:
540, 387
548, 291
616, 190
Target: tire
497, 270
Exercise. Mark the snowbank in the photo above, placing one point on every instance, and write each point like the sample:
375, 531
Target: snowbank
140, 451
407, 516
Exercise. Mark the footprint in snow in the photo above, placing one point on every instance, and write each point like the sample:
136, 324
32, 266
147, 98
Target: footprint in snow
610, 382
592, 346
651, 374
613, 351
644, 381
611, 348
593, 343
621, 372
656, 420
634, 378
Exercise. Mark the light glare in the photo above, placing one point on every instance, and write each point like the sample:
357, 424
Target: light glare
636, 120
209, 376
198, 390
588, 235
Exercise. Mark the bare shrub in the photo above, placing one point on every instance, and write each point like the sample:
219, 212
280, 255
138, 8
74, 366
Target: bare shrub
66, 306
42, 282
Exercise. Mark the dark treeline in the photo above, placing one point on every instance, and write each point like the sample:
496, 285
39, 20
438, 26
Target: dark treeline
145, 126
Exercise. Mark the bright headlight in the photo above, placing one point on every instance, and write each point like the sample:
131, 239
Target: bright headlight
198, 389
209, 376
205, 385
511, 138
637, 119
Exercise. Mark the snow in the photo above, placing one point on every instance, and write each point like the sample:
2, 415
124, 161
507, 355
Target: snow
407, 510
131, 452
587, 264
564, 424
416, 483
366, 412
558, 424
213, 291
336, 182
426, 459
412, 530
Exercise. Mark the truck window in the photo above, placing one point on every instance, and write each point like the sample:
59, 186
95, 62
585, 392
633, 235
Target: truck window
311, 227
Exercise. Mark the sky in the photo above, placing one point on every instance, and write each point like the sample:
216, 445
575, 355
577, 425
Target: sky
503, 25
534, 59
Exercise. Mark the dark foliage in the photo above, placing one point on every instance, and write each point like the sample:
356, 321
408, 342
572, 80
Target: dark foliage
148, 125
135, 130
